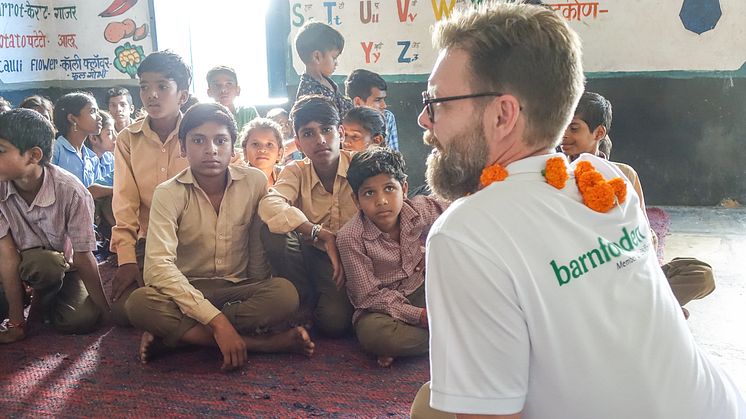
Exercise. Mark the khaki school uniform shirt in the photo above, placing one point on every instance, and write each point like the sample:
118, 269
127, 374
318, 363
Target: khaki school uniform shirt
188, 240
298, 196
141, 163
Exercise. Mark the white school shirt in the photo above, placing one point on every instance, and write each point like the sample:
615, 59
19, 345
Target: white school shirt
524, 316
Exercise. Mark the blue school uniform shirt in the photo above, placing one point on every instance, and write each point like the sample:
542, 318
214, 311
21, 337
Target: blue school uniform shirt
106, 169
85, 168
392, 134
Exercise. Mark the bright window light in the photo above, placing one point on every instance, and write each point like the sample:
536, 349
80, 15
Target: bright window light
218, 32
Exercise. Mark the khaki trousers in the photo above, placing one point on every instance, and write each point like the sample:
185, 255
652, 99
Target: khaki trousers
118, 313
383, 335
421, 406
690, 279
60, 291
310, 271
251, 307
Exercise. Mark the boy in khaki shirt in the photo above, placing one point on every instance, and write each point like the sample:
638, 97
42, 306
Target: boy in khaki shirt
146, 154
207, 280
305, 208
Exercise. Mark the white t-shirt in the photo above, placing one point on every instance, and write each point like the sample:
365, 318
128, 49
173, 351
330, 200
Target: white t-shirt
539, 304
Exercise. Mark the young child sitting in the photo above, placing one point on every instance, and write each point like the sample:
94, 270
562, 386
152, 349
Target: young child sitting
383, 256
690, 278
367, 88
120, 105
364, 127
76, 118
319, 46
312, 198
146, 155
103, 146
46, 233
281, 116
262, 147
222, 87
207, 280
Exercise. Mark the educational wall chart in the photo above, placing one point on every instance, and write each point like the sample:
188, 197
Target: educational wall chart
44, 40
393, 37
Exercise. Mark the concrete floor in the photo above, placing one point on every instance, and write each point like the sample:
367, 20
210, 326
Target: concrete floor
718, 322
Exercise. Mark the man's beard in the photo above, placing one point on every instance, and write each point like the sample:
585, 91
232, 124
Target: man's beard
454, 171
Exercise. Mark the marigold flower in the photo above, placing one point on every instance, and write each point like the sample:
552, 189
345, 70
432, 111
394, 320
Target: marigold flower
620, 189
600, 197
556, 172
588, 179
494, 173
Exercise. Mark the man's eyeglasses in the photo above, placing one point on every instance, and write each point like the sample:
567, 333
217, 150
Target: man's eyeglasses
428, 101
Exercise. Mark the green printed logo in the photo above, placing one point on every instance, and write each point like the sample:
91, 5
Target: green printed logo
605, 251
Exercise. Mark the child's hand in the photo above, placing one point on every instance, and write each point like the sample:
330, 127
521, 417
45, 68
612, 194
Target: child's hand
330, 245
230, 343
125, 276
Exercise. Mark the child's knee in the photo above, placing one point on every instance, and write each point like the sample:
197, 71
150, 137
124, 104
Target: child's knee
333, 319
136, 307
78, 320
287, 300
43, 269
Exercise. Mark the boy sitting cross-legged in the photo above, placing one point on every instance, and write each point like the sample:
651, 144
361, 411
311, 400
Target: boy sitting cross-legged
206, 276
382, 256
46, 232
305, 208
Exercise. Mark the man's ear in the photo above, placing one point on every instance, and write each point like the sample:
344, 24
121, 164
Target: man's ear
316, 56
405, 188
378, 139
502, 115
182, 147
357, 101
341, 132
183, 96
238, 90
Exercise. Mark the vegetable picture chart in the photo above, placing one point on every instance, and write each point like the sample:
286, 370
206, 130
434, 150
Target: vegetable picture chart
393, 37
42, 40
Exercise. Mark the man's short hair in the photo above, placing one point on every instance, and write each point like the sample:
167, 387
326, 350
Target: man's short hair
523, 50
369, 119
26, 129
37, 101
170, 65
207, 112
313, 108
221, 69
118, 91
317, 36
373, 162
360, 82
595, 110
257, 124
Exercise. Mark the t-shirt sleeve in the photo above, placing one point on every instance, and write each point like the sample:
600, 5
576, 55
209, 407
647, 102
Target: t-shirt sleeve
478, 334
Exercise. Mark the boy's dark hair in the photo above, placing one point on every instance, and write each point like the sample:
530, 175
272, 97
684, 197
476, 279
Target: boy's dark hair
118, 91
36, 101
207, 112
360, 82
317, 36
262, 124
221, 69
313, 108
595, 110
373, 162
170, 65
26, 129
370, 119
71, 103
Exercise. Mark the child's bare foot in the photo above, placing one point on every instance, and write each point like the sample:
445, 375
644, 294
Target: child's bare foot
12, 334
150, 347
295, 340
385, 361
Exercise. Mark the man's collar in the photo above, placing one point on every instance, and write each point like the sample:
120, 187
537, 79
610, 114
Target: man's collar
187, 177
44, 198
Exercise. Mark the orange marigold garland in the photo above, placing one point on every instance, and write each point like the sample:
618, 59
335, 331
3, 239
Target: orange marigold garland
494, 173
598, 194
556, 172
